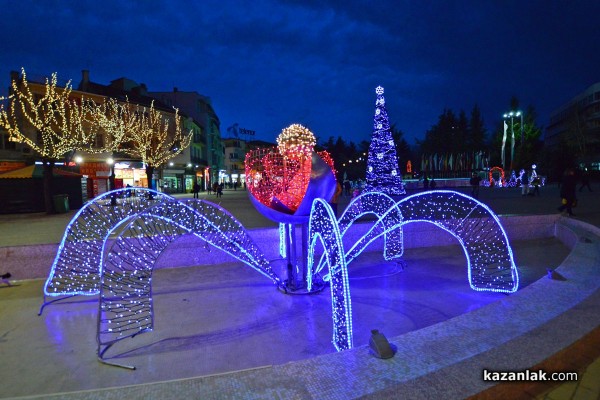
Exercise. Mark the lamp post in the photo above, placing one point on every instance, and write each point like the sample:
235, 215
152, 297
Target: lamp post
512, 115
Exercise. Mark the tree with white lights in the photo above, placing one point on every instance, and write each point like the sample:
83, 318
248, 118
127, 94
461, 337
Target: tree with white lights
51, 120
153, 136
383, 172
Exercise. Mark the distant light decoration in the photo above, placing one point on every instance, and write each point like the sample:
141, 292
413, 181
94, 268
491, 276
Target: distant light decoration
501, 182
512, 182
409, 167
382, 157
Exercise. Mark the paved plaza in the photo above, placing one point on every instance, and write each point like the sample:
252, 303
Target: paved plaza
223, 331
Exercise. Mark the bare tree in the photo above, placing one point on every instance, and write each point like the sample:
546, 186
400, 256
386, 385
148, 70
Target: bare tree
51, 120
155, 137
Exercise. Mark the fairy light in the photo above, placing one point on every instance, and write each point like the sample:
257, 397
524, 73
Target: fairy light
323, 228
278, 177
145, 228
296, 141
77, 267
126, 284
490, 261
383, 174
501, 181
60, 118
155, 138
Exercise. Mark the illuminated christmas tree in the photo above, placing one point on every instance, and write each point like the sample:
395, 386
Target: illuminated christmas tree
383, 172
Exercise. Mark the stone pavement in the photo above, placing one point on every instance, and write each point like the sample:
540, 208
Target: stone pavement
446, 369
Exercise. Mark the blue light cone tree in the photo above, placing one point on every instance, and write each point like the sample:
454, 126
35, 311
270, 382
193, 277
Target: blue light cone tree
383, 171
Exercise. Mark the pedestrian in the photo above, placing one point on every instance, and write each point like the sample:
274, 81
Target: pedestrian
216, 189
536, 186
336, 198
209, 188
524, 183
475, 182
432, 184
585, 181
425, 183
220, 190
347, 188
567, 192
196, 189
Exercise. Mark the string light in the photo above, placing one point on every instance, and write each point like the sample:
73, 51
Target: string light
123, 278
279, 177
78, 264
501, 182
58, 117
490, 261
383, 174
155, 138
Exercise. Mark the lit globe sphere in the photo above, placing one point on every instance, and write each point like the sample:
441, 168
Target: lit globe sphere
296, 141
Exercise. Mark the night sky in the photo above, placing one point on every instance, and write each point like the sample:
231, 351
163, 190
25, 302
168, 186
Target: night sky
267, 64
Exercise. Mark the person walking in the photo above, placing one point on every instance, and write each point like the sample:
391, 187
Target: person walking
524, 183
585, 181
196, 189
335, 199
475, 182
567, 192
220, 190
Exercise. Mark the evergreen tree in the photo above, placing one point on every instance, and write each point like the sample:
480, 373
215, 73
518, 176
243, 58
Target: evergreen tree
383, 173
476, 138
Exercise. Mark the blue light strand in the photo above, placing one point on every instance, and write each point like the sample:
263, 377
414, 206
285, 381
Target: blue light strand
323, 227
490, 261
77, 266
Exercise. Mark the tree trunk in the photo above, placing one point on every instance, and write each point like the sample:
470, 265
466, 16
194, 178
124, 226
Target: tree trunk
48, 181
149, 173
111, 182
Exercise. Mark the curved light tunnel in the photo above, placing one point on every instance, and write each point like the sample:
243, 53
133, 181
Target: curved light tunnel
145, 225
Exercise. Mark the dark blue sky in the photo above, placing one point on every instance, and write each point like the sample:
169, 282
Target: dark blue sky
267, 64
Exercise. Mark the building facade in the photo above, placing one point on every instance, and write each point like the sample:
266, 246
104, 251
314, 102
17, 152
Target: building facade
575, 127
235, 155
206, 151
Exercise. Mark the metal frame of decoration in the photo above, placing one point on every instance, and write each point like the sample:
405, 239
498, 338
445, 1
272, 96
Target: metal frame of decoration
490, 261
501, 182
77, 267
144, 228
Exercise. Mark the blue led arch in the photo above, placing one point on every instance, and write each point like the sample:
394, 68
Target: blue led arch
323, 227
77, 266
490, 262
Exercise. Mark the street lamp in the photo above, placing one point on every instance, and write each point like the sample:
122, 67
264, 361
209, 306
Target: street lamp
512, 115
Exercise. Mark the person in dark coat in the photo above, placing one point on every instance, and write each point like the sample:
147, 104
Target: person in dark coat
567, 192
585, 181
196, 189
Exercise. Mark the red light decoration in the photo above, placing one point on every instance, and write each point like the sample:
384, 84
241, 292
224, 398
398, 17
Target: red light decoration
408, 167
502, 179
278, 177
